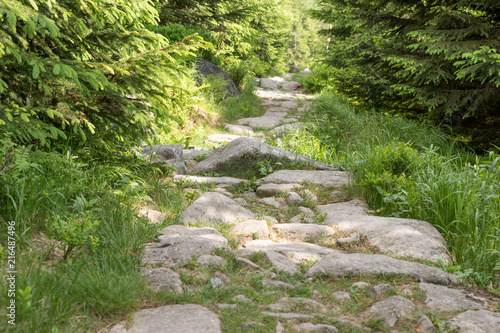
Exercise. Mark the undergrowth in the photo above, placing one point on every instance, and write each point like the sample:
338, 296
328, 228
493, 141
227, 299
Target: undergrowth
410, 169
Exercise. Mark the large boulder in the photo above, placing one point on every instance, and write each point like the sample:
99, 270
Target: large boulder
340, 264
186, 318
400, 237
214, 208
178, 244
244, 152
480, 321
171, 155
206, 68
323, 178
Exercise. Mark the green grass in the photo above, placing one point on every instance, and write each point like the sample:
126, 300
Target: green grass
409, 169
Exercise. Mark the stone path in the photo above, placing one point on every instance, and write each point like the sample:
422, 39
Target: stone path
308, 232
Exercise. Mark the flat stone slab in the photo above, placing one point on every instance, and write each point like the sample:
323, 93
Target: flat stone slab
272, 190
282, 130
275, 114
188, 318
400, 237
242, 151
269, 83
291, 104
261, 122
220, 138
214, 208
287, 304
393, 308
270, 202
310, 327
480, 321
287, 316
297, 250
340, 210
440, 298
281, 262
301, 232
178, 244
239, 129
163, 278
252, 229
341, 264
323, 178
210, 260
226, 182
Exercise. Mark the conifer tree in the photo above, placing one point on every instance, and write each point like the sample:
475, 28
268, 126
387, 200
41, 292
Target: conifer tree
436, 58
84, 67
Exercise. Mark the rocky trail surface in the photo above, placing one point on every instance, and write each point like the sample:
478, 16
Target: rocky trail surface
293, 251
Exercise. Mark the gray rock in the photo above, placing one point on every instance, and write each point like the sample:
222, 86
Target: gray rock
206, 68
296, 219
281, 131
392, 309
270, 202
308, 220
222, 191
290, 85
340, 264
229, 183
306, 211
361, 284
440, 298
279, 328
227, 306
247, 262
169, 154
310, 327
163, 278
268, 83
402, 237
242, 298
214, 208
290, 303
219, 280
324, 178
277, 284
281, 262
480, 321
253, 324
210, 260
341, 296
272, 190
239, 130
252, 229
297, 250
271, 102
308, 195
425, 325
188, 318
274, 113
291, 104
341, 210
289, 120
353, 238
299, 231
153, 216
287, 316
242, 151
221, 138
270, 219
261, 122
293, 198
380, 289
240, 201
190, 155
179, 244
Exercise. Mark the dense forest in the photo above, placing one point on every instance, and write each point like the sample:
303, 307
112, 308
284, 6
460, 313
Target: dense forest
407, 96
